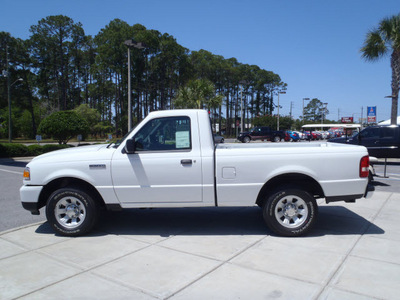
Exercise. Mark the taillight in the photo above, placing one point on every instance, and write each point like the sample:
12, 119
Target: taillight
364, 166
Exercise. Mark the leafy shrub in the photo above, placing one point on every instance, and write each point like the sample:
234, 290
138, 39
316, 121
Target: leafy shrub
63, 125
13, 150
20, 150
35, 150
53, 147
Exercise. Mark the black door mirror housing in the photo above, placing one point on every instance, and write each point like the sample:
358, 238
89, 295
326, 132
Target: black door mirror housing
130, 146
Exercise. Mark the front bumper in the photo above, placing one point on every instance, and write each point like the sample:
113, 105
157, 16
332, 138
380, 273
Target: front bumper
30, 198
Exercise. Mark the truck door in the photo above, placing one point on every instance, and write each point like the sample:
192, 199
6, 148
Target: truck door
369, 137
165, 167
389, 141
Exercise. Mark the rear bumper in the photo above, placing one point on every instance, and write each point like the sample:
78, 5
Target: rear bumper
352, 198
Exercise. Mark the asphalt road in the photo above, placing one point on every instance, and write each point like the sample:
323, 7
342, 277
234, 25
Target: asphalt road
390, 183
12, 214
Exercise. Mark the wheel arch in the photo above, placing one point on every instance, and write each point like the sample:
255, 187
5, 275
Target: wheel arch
58, 183
295, 179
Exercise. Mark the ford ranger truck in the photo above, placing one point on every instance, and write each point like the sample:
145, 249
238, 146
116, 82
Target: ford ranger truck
170, 160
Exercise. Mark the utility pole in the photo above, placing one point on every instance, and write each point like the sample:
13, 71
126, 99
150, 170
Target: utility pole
137, 45
362, 112
291, 108
9, 98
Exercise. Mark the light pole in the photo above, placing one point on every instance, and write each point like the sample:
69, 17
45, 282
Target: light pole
303, 107
280, 92
241, 105
140, 45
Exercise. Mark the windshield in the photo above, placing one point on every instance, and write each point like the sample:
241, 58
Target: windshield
119, 142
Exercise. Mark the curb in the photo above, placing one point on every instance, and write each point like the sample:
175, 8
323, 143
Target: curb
21, 227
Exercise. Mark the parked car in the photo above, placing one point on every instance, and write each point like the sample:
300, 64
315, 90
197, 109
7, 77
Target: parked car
382, 141
293, 136
318, 135
301, 135
307, 135
263, 133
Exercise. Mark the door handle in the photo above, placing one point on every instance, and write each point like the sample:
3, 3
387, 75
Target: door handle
186, 162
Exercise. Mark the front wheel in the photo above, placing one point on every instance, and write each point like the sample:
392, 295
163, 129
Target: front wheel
71, 212
246, 139
290, 211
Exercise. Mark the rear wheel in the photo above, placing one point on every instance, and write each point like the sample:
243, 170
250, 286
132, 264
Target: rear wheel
277, 139
290, 211
71, 212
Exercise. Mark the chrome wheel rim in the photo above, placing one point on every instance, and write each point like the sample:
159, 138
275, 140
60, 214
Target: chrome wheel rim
291, 211
70, 212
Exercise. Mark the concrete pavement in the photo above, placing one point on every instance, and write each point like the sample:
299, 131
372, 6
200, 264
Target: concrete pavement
210, 253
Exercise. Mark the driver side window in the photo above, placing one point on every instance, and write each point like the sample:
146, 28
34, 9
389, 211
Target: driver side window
370, 133
164, 134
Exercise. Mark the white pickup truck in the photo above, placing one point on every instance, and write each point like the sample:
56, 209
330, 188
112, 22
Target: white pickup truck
170, 160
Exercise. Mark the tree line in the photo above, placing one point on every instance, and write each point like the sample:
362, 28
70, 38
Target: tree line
60, 68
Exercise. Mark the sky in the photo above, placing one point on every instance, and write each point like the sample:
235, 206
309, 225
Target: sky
313, 45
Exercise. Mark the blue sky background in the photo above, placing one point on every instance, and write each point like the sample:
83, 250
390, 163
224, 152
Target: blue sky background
313, 45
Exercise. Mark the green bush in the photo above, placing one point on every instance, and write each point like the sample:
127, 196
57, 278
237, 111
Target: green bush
13, 150
63, 125
20, 150
53, 147
35, 150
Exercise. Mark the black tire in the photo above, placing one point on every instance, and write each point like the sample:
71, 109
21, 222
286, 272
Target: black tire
246, 139
276, 139
370, 177
290, 211
71, 212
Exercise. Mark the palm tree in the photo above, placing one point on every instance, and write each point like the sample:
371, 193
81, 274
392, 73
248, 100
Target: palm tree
197, 94
381, 41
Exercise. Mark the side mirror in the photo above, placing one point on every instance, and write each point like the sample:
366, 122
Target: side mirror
130, 146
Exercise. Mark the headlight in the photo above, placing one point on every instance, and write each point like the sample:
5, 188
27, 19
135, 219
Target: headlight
27, 174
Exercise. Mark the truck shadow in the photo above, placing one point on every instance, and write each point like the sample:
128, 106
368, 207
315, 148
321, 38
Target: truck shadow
166, 222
